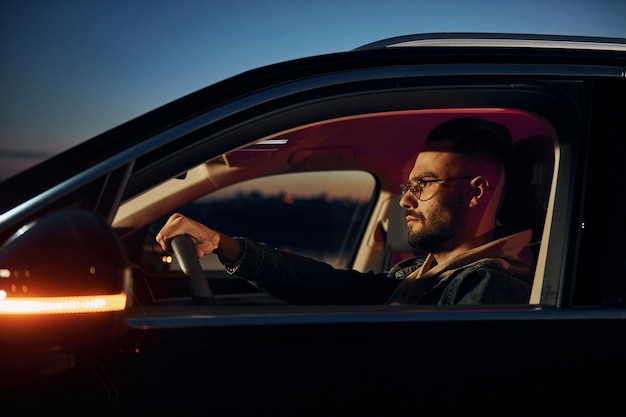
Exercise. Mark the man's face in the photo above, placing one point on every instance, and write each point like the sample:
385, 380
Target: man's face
435, 220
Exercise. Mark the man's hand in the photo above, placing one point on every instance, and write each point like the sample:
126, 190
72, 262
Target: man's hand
205, 240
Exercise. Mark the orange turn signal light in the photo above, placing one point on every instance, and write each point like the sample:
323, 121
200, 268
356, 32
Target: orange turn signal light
62, 305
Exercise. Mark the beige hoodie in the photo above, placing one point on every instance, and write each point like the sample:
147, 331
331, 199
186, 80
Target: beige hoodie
510, 253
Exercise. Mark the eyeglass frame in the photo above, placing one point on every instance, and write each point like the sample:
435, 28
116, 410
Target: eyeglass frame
408, 187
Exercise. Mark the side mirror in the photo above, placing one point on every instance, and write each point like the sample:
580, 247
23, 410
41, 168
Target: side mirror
64, 287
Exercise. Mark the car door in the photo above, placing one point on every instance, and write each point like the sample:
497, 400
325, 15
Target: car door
329, 359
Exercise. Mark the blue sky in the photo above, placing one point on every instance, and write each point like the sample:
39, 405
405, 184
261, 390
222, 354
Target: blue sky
73, 69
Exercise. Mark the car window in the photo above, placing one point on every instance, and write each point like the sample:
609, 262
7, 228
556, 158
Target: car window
317, 214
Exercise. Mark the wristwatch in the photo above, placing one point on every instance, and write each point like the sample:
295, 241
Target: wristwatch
232, 265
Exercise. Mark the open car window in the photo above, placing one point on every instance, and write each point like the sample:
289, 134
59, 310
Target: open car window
299, 191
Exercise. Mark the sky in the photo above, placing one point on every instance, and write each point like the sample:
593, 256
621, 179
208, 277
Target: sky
73, 69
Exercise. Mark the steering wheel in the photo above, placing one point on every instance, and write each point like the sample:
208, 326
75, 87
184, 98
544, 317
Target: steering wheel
185, 254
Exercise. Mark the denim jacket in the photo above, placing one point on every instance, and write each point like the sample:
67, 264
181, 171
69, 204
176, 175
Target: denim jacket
497, 273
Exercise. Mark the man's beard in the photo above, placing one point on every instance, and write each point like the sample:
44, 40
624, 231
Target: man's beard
436, 234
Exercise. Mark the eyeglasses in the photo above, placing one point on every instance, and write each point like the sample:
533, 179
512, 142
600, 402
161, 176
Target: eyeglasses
421, 190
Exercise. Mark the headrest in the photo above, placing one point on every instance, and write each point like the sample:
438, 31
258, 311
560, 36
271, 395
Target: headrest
530, 178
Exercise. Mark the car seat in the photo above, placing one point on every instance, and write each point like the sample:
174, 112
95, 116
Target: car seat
526, 198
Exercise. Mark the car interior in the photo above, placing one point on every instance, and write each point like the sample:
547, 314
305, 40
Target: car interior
382, 145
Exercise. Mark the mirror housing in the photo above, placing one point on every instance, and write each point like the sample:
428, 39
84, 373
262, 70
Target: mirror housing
64, 287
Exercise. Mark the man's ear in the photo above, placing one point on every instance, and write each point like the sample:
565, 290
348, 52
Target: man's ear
480, 185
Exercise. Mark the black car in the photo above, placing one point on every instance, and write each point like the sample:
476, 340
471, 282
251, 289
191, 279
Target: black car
307, 155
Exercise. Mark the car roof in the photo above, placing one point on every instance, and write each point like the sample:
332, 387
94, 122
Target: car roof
508, 40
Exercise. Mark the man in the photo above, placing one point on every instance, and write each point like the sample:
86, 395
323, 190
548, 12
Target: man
452, 199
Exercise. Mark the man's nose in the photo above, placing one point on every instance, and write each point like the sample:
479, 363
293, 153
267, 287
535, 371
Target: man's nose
408, 201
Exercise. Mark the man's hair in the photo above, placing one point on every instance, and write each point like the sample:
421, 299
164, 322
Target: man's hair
474, 136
